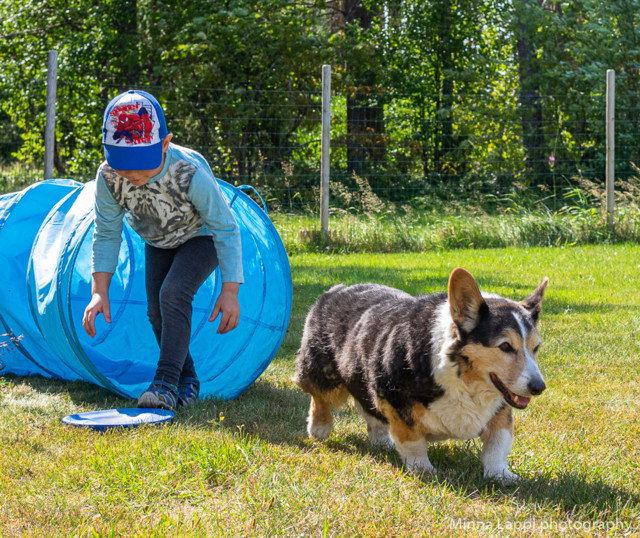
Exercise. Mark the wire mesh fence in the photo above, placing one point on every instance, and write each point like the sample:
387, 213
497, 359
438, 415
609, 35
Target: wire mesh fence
403, 149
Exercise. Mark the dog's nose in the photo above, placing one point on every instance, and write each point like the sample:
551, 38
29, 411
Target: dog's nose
536, 386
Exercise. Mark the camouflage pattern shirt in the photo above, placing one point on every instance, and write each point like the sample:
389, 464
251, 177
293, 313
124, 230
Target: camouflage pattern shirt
183, 201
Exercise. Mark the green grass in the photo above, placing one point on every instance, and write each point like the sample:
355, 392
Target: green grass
360, 221
17, 176
245, 467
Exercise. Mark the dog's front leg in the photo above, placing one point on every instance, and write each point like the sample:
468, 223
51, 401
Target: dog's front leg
414, 455
410, 444
496, 446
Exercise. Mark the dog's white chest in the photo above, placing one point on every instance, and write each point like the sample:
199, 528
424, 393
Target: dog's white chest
459, 416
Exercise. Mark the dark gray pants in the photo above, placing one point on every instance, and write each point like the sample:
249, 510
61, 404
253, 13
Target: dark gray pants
173, 276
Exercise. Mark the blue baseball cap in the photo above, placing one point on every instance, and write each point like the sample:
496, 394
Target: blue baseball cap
132, 131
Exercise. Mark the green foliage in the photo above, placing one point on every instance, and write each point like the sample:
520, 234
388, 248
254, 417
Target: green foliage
205, 57
229, 65
92, 52
437, 86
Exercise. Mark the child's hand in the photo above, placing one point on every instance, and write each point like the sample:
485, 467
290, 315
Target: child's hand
228, 304
97, 305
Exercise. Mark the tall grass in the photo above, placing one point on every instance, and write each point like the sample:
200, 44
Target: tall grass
362, 222
17, 176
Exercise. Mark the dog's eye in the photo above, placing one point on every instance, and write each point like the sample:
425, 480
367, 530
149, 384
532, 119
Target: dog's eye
535, 349
506, 347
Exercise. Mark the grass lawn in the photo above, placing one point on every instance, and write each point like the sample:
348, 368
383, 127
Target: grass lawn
245, 467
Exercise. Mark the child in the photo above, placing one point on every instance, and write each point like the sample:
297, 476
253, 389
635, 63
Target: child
170, 197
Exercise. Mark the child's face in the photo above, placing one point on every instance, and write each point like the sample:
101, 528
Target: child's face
138, 177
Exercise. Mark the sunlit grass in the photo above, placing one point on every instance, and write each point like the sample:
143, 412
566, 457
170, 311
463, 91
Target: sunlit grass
17, 176
245, 467
360, 221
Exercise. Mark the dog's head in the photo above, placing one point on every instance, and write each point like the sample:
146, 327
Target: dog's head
497, 339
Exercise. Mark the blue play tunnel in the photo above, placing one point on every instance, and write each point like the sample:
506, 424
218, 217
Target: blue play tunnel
45, 285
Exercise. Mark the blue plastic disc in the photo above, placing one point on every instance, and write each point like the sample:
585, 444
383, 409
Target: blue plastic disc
118, 418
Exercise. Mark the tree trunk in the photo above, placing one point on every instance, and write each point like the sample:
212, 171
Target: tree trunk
444, 141
530, 103
365, 115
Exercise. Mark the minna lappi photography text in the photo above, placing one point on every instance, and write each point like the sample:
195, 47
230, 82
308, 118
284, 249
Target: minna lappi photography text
545, 525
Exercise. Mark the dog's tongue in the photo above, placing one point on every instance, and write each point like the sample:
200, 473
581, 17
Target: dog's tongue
521, 401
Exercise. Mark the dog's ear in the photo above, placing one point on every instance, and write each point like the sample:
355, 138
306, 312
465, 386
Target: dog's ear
533, 303
465, 300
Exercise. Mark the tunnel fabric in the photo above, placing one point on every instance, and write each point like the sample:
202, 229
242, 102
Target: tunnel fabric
45, 284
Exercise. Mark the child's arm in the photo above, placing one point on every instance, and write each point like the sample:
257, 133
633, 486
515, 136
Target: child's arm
209, 201
207, 198
99, 302
104, 254
228, 304
107, 233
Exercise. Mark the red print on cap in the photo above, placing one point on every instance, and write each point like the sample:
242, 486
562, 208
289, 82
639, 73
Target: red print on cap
133, 124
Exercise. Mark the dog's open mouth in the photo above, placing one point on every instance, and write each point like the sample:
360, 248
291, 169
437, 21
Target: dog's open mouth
519, 402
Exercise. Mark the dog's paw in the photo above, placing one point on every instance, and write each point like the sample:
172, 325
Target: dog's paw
419, 465
504, 476
319, 431
380, 437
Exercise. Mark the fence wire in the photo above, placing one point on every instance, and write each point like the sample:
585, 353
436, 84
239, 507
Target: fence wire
402, 148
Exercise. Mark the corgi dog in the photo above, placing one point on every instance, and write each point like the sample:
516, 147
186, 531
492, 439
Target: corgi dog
422, 369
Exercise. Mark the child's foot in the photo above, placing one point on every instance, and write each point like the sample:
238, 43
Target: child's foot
160, 395
188, 390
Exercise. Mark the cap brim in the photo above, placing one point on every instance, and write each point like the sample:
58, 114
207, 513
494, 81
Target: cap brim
134, 158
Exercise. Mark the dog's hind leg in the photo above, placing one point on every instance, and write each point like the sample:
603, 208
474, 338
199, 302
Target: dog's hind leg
320, 421
496, 445
378, 431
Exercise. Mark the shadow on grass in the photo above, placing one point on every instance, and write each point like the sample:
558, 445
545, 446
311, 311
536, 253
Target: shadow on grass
276, 415
459, 468
574, 493
577, 495
80, 393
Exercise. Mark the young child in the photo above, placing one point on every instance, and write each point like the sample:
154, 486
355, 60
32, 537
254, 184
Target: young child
172, 200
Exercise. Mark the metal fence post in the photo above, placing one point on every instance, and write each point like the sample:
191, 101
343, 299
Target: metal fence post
50, 128
611, 144
325, 150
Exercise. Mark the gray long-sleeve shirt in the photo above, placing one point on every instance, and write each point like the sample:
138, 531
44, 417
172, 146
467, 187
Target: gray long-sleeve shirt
183, 201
